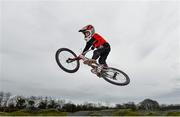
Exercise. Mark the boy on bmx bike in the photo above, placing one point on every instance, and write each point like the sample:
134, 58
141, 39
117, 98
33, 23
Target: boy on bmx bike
94, 40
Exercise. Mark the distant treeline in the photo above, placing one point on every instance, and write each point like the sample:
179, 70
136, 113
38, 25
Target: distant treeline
9, 103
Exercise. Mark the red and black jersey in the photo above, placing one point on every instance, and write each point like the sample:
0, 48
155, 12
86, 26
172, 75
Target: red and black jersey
96, 41
99, 40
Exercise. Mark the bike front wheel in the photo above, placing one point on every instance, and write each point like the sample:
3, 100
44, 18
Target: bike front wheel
115, 76
63, 59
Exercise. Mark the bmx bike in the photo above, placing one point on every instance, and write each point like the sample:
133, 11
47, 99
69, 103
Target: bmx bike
69, 62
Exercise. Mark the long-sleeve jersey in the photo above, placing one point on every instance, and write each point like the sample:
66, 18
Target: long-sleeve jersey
95, 41
89, 44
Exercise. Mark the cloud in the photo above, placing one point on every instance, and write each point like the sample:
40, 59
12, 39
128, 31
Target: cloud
170, 96
143, 38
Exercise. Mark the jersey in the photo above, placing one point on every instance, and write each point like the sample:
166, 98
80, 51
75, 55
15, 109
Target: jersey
96, 41
99, 40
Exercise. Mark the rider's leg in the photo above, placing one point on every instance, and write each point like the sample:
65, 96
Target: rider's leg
96, 54
103, 57
102, 53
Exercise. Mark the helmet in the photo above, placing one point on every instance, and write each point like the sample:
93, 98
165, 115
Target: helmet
88, 32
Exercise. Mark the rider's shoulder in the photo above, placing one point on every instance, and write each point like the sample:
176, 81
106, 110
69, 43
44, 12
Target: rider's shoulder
96, 35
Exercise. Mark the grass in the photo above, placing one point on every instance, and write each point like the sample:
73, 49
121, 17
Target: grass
129, 112
95, 114
173, 114
120, 112
48, 112
126, 112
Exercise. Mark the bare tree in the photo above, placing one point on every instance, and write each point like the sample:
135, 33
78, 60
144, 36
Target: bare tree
60, 103
1, 97
7, 96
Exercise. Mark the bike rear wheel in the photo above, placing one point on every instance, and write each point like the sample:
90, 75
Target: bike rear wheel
115, 76
63, 56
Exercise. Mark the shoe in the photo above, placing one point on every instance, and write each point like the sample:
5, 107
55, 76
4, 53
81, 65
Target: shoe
99, 68
94, 71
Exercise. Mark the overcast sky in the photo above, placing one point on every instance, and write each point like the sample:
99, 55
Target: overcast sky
144, 43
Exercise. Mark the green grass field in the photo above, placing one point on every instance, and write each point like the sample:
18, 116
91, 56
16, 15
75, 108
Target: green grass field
119, 112
48, 112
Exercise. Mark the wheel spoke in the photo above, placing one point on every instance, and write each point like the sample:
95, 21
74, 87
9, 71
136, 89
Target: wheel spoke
62, 55
70, 65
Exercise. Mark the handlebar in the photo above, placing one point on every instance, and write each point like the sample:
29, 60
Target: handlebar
78, 57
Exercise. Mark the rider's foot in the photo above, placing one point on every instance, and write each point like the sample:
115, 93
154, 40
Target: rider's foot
99, 70
94, 71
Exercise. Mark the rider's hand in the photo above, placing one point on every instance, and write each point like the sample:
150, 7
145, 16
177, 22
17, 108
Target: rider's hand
81, 56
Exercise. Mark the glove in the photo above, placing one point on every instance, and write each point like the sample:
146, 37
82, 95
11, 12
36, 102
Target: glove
92, 48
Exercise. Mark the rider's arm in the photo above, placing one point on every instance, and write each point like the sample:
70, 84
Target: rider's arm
89, 44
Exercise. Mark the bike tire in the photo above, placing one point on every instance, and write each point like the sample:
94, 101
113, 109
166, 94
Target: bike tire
59, 51
114, 82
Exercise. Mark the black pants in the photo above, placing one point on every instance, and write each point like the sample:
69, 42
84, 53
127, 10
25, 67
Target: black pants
102, 53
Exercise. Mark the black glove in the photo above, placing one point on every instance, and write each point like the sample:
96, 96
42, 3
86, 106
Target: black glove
92, 48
